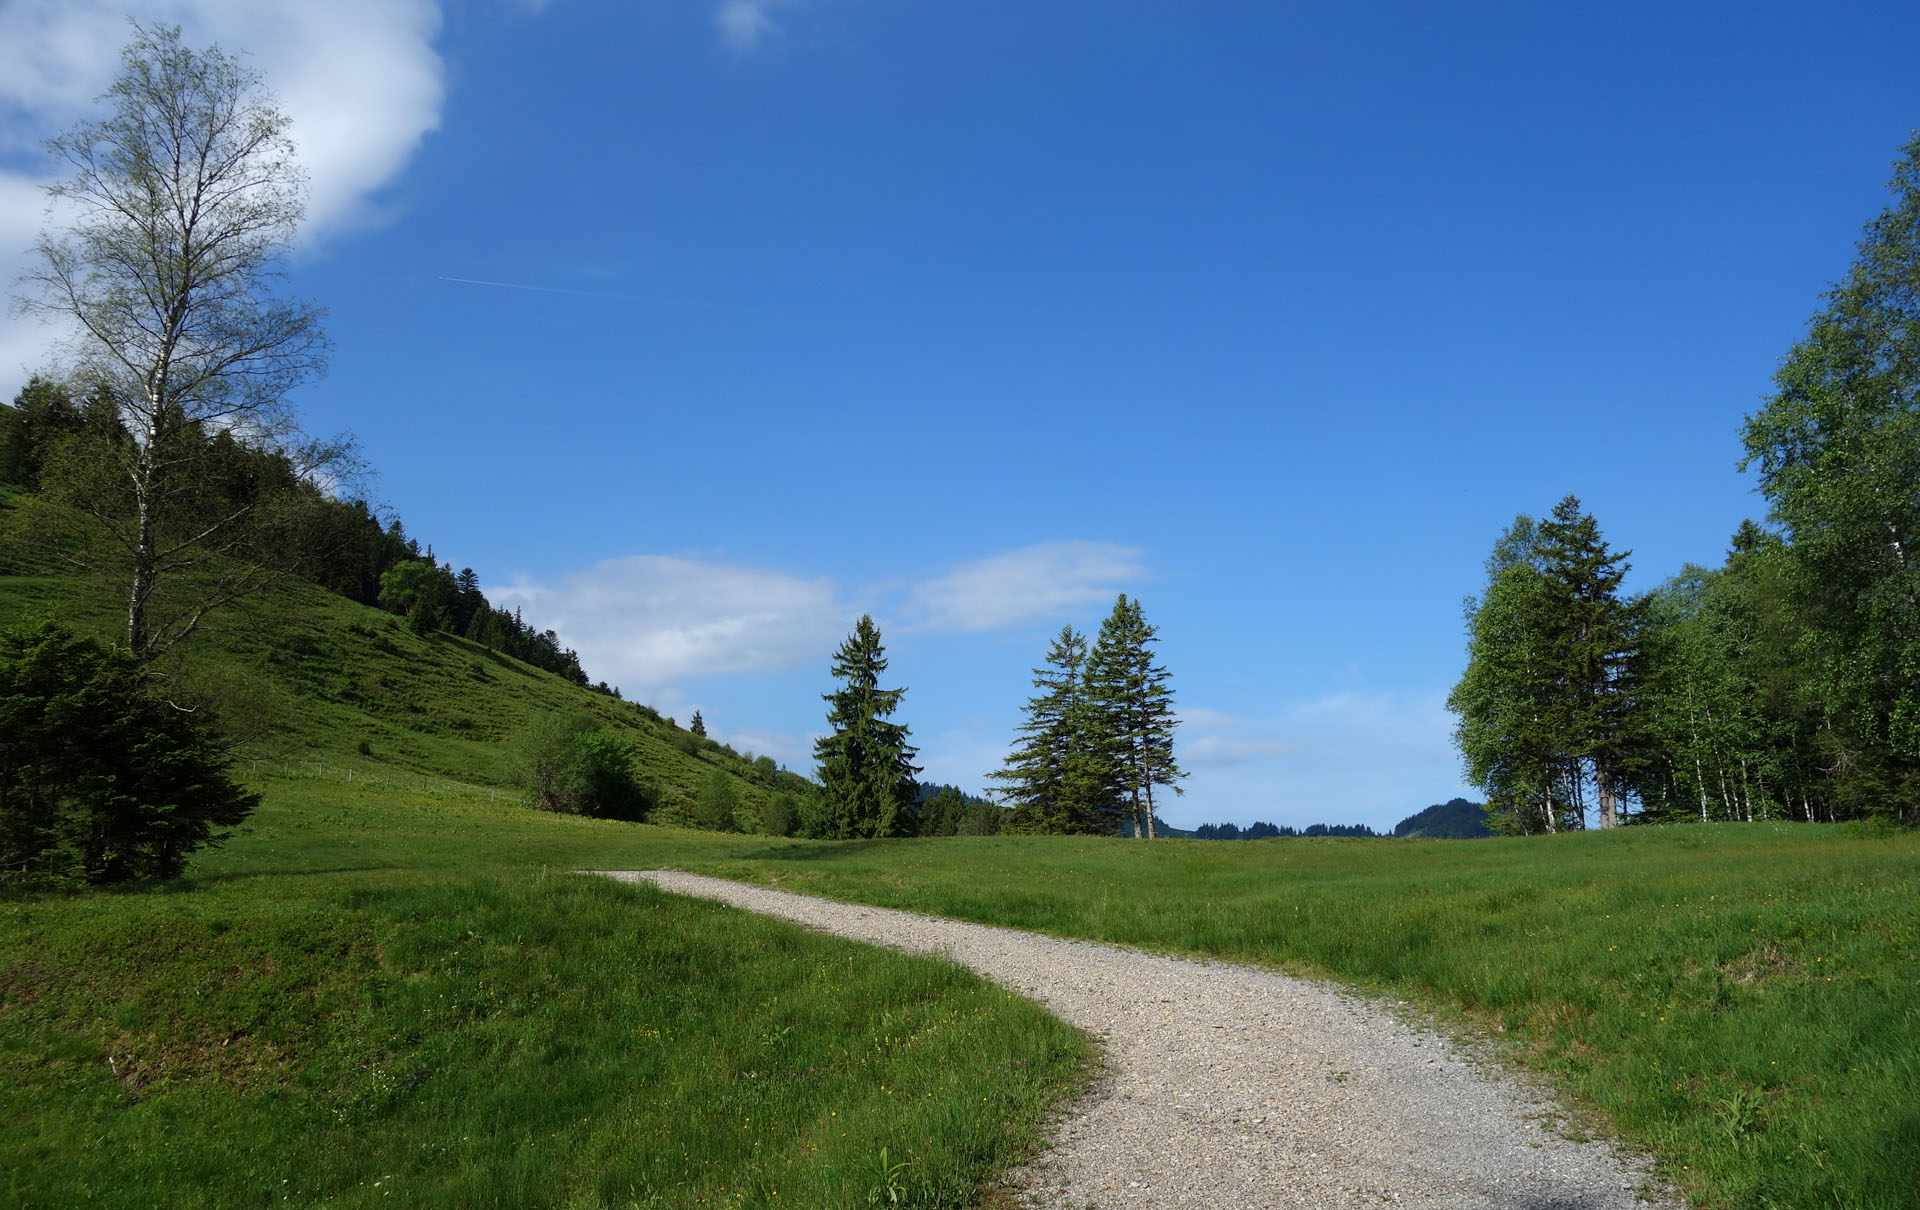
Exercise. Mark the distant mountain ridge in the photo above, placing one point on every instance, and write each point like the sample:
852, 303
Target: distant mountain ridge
1455, 819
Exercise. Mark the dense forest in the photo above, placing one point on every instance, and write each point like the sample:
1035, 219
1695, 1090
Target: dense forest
1783, 683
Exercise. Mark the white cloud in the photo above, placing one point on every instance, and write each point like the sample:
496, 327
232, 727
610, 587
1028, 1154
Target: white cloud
795, 752
1047, 581
646, 622
744, 24
360, 79
656, 625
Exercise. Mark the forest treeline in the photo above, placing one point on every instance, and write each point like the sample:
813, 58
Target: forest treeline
60, 448
1783, 682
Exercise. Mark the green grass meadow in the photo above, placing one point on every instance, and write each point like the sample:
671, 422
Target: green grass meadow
392, 998
1743, 1001
390, 988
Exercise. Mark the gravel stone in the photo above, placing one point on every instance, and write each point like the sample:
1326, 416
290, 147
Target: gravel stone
1233, 1086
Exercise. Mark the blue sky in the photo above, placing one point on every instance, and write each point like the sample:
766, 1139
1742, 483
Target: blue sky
698, 329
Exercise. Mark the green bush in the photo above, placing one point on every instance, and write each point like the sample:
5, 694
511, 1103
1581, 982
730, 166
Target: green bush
781, 814
569, 766
717, 804
100, 780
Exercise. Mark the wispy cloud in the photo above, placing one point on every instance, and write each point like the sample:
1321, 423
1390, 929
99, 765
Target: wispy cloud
360, 79
1044, 582
651, 623
647, 622
745, 24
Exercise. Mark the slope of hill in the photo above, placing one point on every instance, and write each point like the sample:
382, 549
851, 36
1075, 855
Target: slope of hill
386, 988
306, 674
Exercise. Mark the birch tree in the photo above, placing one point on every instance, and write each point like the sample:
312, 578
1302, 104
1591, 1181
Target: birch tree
1837, 447
180, 208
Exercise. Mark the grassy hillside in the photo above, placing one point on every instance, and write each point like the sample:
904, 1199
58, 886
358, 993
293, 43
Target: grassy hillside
390, 987
344, 686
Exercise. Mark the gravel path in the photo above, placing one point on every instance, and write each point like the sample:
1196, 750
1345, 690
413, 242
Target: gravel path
1229, 1086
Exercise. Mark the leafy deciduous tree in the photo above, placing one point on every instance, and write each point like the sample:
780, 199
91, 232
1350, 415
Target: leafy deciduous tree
1838, 451
184, 200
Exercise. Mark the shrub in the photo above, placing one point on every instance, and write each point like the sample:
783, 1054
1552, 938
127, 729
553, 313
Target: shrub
687, 742
781, 815
100, 780
714, 809
569, 766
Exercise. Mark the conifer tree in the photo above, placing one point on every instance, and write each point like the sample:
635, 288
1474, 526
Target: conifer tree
1130, 718
698, 726
1597, 641
1549, 702
866, 765
1056, 776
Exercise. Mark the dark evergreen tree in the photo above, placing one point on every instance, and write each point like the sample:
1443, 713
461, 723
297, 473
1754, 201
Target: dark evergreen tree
698, 726
1129, 709
42, 416
866, 765
100, 780
1596, 652
1058, 776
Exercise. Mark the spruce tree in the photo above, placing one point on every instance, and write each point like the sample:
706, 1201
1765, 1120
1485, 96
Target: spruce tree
866, 764
1054, 775
1129, 712
1597, 639
1549, 704
698, 726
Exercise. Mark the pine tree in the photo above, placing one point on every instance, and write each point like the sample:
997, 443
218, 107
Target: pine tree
866, 765
1597, 641
1054, 775
698, 726
1549, 704
1129, 710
